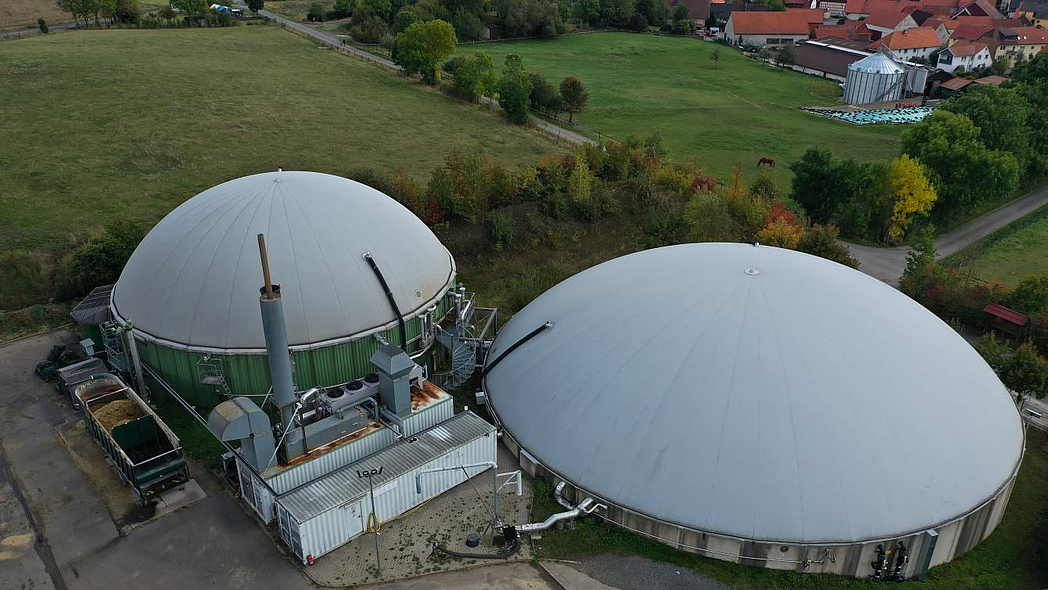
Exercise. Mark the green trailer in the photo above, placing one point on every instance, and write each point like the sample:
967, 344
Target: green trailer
144, 451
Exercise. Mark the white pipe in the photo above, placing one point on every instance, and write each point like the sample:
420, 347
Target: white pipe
586, 506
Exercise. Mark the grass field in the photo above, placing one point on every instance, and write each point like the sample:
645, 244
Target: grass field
22, 14
1011, 253
1014, 557
735, 110
133, 122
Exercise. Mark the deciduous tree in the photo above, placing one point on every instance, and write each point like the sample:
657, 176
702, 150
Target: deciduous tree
475, 77
968, 173
190, 7
256, 5
821, 240
574, 96
911, 194
544, 96
1000, 115
1025, 373
422, 47
580, 182
1030, 296
515, 90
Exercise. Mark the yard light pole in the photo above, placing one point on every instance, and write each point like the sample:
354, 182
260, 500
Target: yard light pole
368, 474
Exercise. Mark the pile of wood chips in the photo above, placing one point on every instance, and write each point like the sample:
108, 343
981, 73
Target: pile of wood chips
117, 412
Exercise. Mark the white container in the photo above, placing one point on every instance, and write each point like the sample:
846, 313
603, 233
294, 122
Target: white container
324, 515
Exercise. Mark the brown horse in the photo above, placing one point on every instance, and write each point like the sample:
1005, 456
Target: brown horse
766, 162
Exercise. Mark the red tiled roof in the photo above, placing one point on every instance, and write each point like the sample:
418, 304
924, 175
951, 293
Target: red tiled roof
978, 8
1007, 314
885, 20
970, 32
872, 6
854, 30
1028, 36
777, 23
955, 83
918, 38
815, 16
964, 48
987, 21
992, 80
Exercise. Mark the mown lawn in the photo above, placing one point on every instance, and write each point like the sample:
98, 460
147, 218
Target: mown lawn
133, 122
1014, 557
1010, 254
732, 110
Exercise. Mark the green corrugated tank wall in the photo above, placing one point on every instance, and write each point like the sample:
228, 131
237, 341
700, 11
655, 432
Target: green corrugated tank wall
249, 374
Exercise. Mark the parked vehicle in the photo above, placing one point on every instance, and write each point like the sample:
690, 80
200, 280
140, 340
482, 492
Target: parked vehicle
146, 454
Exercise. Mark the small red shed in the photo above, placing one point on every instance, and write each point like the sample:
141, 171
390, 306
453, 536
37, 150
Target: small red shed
1005, 319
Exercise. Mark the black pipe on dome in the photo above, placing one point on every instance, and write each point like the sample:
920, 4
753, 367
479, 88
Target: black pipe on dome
514, 346
392, 301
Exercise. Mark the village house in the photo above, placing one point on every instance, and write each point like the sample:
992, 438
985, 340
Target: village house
766, 29
964, 56
911, 44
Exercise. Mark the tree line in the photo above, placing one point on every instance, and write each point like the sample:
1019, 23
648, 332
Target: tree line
88, 11
380, 21
425, 49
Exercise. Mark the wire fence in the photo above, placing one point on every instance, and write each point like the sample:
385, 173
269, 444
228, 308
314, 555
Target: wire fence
579, 128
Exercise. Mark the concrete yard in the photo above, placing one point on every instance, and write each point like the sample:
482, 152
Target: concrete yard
83, 528
68, 522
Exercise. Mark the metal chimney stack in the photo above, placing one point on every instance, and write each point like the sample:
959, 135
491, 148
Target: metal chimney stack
276, 341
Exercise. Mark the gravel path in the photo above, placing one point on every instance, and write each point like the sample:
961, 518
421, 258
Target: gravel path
631, 572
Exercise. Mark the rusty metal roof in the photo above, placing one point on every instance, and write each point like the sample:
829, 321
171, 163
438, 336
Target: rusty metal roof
757, 393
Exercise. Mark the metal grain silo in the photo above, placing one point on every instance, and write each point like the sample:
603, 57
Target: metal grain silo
876, 78
190, 290
762, 406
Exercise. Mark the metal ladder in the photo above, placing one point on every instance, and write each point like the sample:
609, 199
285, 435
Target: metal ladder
209, 372
116, 349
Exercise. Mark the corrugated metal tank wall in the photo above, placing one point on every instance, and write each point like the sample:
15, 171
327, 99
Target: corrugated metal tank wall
955, 537
249, 374
867, 87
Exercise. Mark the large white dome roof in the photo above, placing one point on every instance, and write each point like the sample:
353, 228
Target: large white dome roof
757, 393
194, 280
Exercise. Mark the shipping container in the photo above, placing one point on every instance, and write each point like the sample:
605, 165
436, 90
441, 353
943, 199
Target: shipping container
319, 517
370, 440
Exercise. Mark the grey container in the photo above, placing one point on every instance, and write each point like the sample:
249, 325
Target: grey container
326, 514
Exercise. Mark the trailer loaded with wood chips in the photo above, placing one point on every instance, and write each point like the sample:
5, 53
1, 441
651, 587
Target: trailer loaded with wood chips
146, 454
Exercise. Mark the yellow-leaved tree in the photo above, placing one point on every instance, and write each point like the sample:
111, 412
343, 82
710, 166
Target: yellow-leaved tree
911, 194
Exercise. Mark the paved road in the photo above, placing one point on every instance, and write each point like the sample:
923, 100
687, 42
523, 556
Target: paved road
335, 42
887, 264
36, 31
